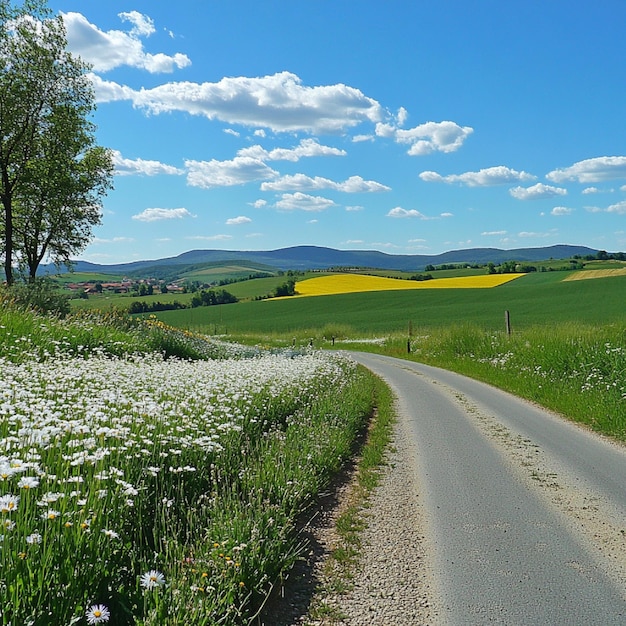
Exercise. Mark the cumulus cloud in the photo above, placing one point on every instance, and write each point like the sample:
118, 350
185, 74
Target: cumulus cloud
141, 167
430, 137
279, 102
298, 182
306, 148
238, 171
303, 202
486, 177
399, 212
235, 221
619, 208
156, 215
589, 190
402, 116
561, 210
537, 192
115, 48
591, 170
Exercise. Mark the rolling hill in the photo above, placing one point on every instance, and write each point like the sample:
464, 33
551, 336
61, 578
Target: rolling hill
317, 258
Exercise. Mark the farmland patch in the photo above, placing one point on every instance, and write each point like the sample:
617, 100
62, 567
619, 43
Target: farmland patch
357, 283
589, 274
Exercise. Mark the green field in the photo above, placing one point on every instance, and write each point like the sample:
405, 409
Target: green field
535, 299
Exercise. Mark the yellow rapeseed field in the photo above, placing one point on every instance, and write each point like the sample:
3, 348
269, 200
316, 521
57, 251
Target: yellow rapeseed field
587, 274
353, 283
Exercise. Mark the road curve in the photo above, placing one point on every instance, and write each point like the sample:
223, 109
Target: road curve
526, 512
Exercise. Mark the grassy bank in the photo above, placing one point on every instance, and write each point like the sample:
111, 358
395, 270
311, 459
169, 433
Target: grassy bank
138, 487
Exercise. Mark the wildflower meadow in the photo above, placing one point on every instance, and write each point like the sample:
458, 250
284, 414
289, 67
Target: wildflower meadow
138, 487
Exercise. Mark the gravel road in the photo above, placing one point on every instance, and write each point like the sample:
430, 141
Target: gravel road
492, 511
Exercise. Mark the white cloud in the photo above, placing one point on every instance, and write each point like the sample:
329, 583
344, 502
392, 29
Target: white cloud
433, 137
259, 204
156, 215
235, 221
561, 210
589, 190
241, 170
494, 233
209, 237
354, 208
143, 26
591, 170
531, 235
303, 202
230, 131
385, 130
100, 241
108, 91
447, 214
486, 177
132, 167
401, 213
298, 182
619, 208
279, 102
361, 138
115, 48
402, 116
537, 192
306, 148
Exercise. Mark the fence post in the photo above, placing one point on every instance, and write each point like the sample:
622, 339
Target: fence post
507, 322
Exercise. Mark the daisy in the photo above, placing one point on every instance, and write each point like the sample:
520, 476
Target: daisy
34, 538
28, 482
97, 614
152, 580
8, 503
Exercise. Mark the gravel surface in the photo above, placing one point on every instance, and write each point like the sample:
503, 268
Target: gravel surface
393, 582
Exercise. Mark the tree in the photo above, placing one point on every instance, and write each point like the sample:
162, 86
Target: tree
52, 174
61, 199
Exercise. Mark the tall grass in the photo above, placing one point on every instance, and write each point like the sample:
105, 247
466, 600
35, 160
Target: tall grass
575, 369
137, 487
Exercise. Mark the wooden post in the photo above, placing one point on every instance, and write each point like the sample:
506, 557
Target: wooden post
507, 322
408, 341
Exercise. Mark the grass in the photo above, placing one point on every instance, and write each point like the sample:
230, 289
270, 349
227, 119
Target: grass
164, 489
534, 299
575, 369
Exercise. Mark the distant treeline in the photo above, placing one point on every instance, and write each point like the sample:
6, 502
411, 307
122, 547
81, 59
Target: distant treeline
205, 297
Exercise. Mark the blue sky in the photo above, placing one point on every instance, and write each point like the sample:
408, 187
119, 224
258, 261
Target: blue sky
410, 127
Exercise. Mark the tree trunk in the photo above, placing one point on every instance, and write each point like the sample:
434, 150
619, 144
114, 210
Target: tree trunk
8, 240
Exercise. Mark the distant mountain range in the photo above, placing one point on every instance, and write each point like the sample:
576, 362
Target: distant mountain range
318, 258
